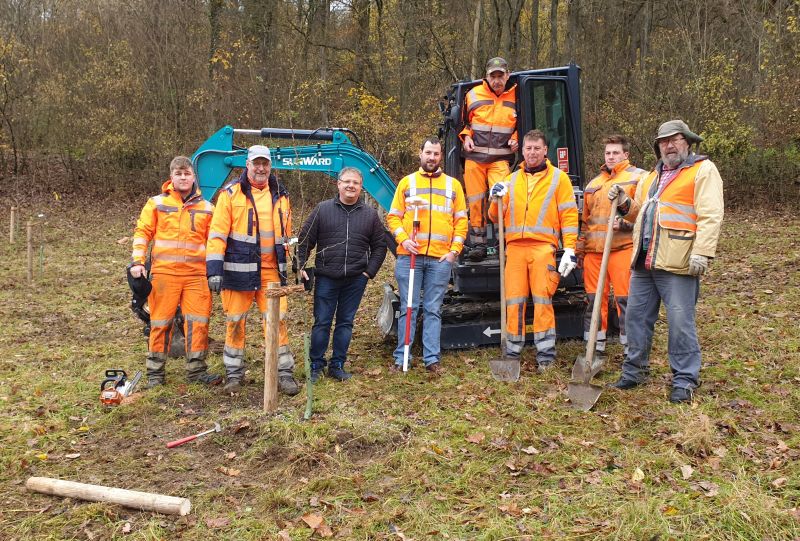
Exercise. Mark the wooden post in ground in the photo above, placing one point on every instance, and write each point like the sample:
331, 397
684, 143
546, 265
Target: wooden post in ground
30, 250
12, 225
168, 505
272, 321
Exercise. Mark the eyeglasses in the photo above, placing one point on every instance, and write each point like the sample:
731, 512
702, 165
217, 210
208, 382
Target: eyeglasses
674, 140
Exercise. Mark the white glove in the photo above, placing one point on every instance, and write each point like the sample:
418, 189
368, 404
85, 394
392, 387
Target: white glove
499, 189
568, 262
617, 192
698, 265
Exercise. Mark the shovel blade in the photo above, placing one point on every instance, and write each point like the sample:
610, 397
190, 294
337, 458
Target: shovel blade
580, 372
504, 369
583, 395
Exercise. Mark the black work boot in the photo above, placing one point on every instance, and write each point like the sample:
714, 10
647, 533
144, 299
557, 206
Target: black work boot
287, 384
316, 375
233, 386
206, 378
339, 373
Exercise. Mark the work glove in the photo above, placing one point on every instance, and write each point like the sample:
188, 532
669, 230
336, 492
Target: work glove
215, 283
618, 192
568, 262
698, 265
499, 189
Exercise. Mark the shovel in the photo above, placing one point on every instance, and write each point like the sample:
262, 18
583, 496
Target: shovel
505, 368
582, 393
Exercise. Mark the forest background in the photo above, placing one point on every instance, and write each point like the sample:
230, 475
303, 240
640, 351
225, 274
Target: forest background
111, 90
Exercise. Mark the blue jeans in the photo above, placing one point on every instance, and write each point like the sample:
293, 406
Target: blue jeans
432, 277
679, 293
339, 296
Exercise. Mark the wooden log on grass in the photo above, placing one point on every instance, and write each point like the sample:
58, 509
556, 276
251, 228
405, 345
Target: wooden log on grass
146, 501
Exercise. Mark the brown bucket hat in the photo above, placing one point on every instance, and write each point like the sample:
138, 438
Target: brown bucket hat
674, 127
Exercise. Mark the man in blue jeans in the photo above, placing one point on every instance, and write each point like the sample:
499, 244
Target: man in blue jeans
350, 248
678, 210
443, 227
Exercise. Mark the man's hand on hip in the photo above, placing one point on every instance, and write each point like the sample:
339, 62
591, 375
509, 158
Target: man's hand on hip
450, 257
698, 265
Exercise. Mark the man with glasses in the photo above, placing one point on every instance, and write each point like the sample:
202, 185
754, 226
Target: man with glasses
678, 210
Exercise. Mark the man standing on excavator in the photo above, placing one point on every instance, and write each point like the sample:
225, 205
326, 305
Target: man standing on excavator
489, 142
246, 251
442, 226
677, 209
596, 210
177, 223
538, 208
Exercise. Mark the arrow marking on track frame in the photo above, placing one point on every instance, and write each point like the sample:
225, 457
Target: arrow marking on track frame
488, 331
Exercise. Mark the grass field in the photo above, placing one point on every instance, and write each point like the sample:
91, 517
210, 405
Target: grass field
393, 457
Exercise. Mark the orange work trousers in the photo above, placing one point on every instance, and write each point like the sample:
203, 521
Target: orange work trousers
194, 298
531, 269
478, 179
618, 275
236, 305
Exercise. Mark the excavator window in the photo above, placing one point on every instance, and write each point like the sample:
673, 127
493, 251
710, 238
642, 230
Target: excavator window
549, 114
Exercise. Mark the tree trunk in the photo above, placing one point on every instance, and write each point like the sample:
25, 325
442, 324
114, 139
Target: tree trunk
573, 14
476, 31
553, 32
534, 58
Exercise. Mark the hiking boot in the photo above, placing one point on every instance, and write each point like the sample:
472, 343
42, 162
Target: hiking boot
395, 369
625, 384
316, 375
681, 395
233, 386
206, 378
152, 383
477, 253
287, 385
435, 369
339, 373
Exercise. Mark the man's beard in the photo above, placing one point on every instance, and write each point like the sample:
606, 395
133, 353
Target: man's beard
429, 168
673, 161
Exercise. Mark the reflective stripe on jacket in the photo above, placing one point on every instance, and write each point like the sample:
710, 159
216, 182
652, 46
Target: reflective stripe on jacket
491, 122
686, 215
539, 206
178, 230
244, 238
597, 208
443, 223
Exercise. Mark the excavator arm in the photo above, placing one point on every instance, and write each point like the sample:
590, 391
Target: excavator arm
326, 150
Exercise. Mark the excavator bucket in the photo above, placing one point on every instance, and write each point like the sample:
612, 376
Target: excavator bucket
505, 369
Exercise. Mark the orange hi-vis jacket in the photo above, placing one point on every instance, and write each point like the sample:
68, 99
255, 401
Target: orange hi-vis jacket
179, 230
443, 223
491, 122
249, 232
597, 208
539, 207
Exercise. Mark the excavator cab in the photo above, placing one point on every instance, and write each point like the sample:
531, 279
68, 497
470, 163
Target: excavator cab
547, 100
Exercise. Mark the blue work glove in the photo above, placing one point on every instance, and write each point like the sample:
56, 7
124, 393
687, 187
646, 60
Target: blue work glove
215, 283
499, 189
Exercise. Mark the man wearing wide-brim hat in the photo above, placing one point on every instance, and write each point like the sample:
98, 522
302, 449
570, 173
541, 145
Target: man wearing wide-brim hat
678, 211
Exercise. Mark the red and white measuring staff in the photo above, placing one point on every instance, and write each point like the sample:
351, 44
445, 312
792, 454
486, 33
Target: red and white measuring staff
416, 203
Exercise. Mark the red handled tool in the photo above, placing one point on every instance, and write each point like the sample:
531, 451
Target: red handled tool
187, 439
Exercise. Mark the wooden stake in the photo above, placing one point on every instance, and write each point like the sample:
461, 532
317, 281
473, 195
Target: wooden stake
271, 324
146, 501
30, 250
12, 227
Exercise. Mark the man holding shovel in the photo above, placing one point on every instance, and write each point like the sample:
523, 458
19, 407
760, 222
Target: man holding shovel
617, 169
678, 211
428, 219
538, 208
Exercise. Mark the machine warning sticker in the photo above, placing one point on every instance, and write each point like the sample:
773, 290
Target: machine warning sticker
563, 159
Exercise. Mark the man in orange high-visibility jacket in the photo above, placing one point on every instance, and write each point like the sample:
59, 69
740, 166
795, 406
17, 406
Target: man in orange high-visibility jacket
489, 142
538, 209
678, 209
596, 211
177, 223
246, 251
443, 226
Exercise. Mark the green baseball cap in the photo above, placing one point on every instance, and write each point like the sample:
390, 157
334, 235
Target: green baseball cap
496, 64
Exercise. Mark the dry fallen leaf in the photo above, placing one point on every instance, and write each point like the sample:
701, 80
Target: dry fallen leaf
638, 475
126, 528
123, 240
374, 372
779, 482
244, 425
687, 471
711, 489
530, 450
72, 455
231, 472
593, 478
317, 523
220, 522
284, 535
477, 437
231, 455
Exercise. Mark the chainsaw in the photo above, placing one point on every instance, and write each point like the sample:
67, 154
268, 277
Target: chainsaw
117, 386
